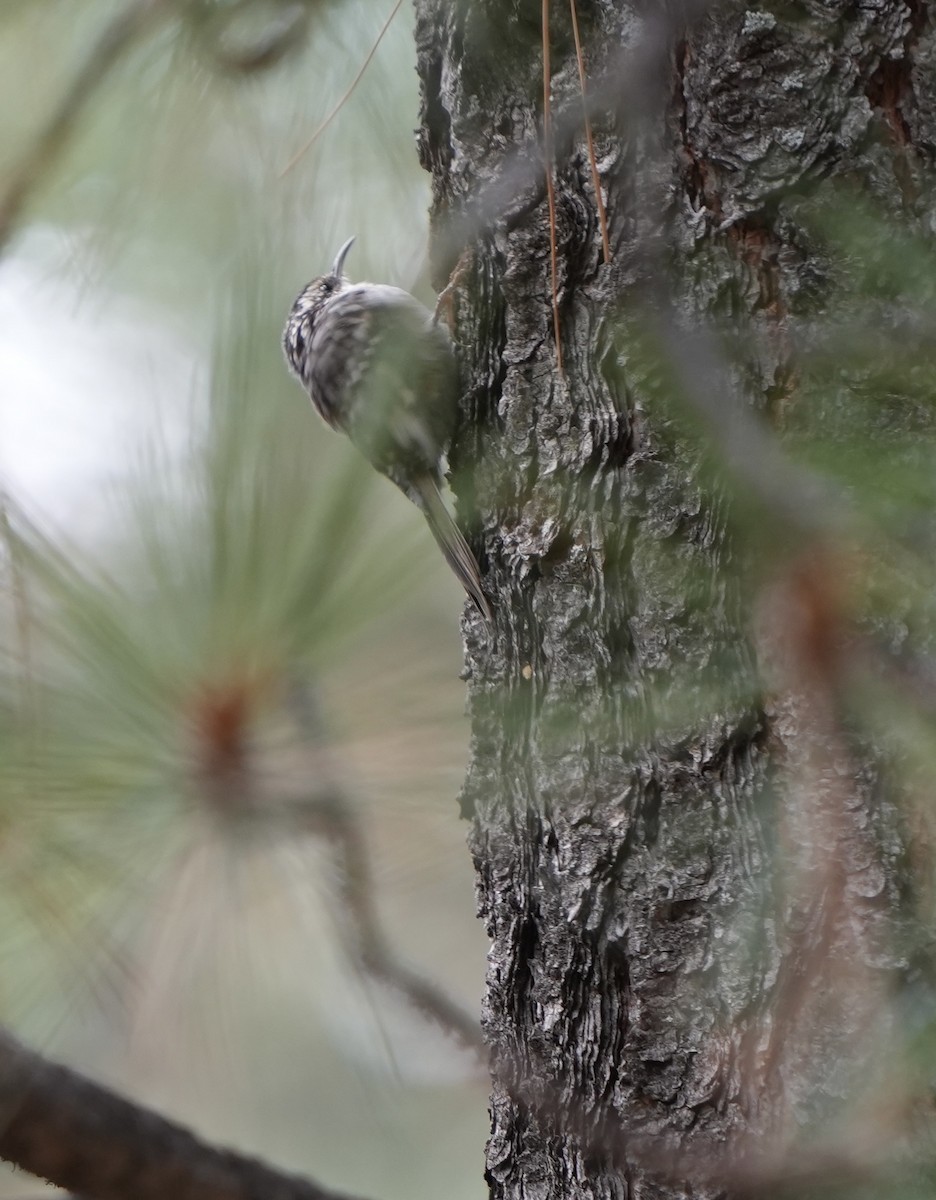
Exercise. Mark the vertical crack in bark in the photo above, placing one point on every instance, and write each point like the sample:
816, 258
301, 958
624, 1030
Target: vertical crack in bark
759, 248
892, 81
888, 90
697, 173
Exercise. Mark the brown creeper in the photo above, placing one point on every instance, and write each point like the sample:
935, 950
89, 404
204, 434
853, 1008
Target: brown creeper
380, 369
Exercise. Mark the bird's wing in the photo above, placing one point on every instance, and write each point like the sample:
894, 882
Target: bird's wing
398, 375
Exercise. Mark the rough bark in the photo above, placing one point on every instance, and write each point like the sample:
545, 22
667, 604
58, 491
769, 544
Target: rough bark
662, 980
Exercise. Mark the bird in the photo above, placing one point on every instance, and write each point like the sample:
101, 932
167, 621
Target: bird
379, 368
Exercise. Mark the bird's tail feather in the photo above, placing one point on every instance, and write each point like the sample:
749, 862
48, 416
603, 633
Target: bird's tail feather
451, 542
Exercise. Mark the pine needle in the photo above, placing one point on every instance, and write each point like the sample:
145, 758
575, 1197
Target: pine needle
602, 219
347, 94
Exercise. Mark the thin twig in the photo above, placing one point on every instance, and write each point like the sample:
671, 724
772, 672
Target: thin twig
41, 156
550, 187
341, 103
596, 182
331, 817
328, 814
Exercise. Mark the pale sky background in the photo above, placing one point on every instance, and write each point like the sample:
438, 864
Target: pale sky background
88, 380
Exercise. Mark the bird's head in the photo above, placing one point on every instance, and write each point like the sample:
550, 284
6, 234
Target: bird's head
305, 312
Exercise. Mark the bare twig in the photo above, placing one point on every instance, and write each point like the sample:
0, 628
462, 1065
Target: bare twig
60, 1126
227, 778
41, 156
331, 817
328, 814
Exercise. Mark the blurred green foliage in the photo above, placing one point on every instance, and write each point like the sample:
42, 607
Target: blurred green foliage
258, 618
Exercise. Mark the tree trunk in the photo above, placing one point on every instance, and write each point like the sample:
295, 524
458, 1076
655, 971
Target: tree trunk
685, 860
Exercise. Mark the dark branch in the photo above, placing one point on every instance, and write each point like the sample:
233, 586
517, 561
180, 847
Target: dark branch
60, 1126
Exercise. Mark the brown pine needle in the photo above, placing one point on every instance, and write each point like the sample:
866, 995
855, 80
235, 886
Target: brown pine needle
550, 189
341, 103
602, 219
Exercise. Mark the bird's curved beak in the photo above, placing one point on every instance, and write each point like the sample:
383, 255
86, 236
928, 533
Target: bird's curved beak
338, 267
